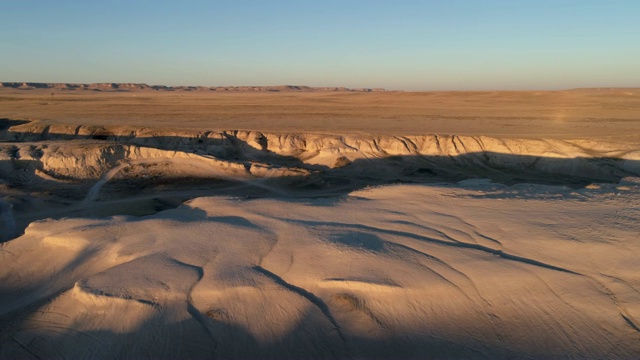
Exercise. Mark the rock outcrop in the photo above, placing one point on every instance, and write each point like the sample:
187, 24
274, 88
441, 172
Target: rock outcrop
445, 157
143, 87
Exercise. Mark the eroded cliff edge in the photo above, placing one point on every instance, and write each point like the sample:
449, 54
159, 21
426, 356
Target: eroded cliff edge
85, 152
56, 170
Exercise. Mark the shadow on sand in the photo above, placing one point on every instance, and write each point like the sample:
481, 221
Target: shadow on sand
323, 181
211, 334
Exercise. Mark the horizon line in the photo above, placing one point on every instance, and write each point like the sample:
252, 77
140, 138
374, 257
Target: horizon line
116, 86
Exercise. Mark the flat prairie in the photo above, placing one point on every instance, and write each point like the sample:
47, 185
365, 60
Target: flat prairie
575, 113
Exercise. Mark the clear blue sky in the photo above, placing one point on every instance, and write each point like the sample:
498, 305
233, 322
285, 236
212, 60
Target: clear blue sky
411, 45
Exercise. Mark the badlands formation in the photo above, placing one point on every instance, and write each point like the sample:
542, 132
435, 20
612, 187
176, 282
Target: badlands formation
322, 223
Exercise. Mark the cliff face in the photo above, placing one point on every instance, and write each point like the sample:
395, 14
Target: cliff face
95, 150
141, 87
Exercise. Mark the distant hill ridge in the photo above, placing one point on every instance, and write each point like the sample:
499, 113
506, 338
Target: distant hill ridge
137, 87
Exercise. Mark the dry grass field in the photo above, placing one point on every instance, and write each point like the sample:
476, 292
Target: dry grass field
550, 114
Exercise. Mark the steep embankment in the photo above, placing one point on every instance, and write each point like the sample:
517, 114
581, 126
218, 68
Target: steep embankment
446, 157
45, 168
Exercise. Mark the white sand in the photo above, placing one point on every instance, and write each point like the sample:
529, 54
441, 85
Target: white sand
469, 270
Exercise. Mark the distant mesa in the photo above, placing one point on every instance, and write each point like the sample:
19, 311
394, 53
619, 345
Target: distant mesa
141, 87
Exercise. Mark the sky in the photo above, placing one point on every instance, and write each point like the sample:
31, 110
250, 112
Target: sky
398, 45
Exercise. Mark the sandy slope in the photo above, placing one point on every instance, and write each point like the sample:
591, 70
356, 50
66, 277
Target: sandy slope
469, 270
